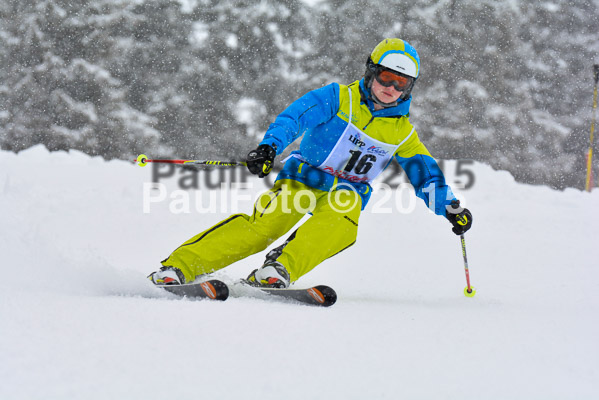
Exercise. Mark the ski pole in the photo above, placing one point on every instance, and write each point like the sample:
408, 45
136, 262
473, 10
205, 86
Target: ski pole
143, 160
469, 291
588, 182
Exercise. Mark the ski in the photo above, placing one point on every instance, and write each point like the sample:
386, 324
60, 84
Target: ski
321, 295
212, 289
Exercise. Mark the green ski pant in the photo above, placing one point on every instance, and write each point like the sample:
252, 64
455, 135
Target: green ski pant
332, 227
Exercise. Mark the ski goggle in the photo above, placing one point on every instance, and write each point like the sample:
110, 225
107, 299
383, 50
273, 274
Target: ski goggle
399, 81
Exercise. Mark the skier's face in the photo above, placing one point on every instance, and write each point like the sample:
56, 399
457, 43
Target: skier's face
386, 94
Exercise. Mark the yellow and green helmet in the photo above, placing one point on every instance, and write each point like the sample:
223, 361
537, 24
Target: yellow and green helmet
396, 55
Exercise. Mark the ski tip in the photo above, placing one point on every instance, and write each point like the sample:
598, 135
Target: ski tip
212, 289
324, 295
216, 290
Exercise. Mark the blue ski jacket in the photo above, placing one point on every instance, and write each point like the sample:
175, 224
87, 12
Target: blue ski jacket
321, 116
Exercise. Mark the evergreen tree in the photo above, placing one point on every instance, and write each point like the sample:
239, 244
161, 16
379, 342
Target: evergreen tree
505, 82
57, 92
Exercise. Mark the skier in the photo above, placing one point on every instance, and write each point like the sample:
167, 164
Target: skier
350, 135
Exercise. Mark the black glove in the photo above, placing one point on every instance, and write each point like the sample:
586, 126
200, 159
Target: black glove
460, 218
260, 161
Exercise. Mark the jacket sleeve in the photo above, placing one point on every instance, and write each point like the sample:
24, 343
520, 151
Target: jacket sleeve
310, 110
425, 175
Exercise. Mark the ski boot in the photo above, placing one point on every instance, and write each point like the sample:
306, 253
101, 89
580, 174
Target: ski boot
167, 276
272, 275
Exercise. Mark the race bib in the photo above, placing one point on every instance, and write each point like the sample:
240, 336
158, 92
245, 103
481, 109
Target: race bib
356, 156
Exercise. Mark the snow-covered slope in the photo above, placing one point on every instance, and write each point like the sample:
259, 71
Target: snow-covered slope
78, 320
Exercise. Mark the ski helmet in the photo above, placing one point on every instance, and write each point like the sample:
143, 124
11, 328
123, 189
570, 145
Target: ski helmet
397, 56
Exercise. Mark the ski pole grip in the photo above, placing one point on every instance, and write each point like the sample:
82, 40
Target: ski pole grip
596, 70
